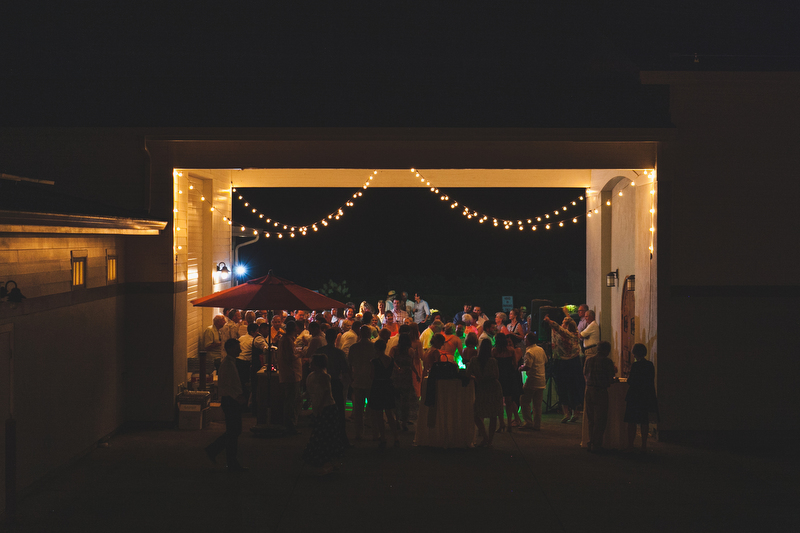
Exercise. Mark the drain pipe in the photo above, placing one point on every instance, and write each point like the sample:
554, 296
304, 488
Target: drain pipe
236, 256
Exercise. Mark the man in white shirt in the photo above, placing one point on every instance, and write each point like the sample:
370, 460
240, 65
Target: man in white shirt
590, 335
212, 343
349, 337
533, 391
229, 387
481, 318
421, 310
489, 331
436, 327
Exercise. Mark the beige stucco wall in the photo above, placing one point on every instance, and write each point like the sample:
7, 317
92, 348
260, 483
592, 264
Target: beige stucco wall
67, 348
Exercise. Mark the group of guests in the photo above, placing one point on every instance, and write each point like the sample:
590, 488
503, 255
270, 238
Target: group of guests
379, 362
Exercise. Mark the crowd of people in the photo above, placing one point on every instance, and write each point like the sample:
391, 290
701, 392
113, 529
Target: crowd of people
378, 358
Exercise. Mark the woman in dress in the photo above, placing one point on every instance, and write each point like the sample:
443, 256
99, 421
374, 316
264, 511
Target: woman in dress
640, 400
326, 442
403, 377
510, 378
452, 342
470, 347
381, 396
567, 369
515, 328
488, 391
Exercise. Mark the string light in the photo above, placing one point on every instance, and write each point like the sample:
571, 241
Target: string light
469, 214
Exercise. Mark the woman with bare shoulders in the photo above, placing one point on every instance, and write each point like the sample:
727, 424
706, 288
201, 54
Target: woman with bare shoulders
509, 376
488, 391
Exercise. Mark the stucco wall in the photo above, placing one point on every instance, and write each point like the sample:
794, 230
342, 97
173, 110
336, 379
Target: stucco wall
68, 352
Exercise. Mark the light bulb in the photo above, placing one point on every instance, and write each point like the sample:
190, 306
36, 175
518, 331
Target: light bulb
608, 202
240, 197
547, 226
242, 228
247, 204
261, 215
533, 228
254, 210
177, 229
255, 232
538, 219
632, 184
529, 221
175, 210
191, 187
280, 235
574, 220
413, 170
180, 192
561, 224
212, 207
620, 193
266, 235
652, 210
202, 198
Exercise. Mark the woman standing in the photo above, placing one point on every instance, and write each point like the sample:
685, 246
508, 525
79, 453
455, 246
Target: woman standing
403, 377
326, 442
567, 369
488, 391
515, 328
381, 396
470, 347
640, 401
509, 376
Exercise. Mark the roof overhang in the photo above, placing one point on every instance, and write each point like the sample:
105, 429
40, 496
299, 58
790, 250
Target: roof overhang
27, 222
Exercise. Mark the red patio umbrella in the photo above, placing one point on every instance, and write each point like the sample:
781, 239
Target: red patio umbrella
272, 293
268, 292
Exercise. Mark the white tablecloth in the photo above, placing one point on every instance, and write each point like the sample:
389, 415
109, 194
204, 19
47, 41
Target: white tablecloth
616, 435
454, 423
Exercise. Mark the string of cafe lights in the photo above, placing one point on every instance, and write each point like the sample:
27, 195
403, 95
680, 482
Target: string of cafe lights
521, 224
279, 228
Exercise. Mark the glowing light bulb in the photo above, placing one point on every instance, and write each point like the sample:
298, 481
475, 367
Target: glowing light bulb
533, 228
230, 222
180, 191
564, 208
375, 172
280, 235
202, 198
269, 220
652, 191
413, 170
314, 228
255, 232
573, 203
538, 219
240, 197
432, 189
180, 247
285, 227
337, 217
359, 193
519, 222
652, 229
652, 210
233, 189
371, 177
547, 216
177, 229
596, 211
291, 235
547, 226
580, 197
561, 224
574, 220
632, 184
529, 221
212, 207
507, 227
247, 204
266, 235
620, 193
428, 183
455, 203
608, 202
261, 215
589, 214
521, 228
556, 212
275, 224
191, 187
175, 210
242, 228
254, 210
481, 221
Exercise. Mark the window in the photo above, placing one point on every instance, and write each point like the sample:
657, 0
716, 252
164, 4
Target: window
79, 268
111, 268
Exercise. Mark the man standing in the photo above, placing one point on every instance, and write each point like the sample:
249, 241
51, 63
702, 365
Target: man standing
339, 371
436, 327
458, 317
290, 373
480, 317
399, 313
533, 391
489, 331
360, 357
212, 343
582, 320
350, 337
599, 373
230, 391
421, 311
590, 335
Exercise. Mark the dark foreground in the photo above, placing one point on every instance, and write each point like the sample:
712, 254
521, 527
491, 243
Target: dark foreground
160, 480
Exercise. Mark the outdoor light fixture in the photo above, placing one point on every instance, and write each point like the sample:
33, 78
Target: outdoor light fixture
240, 270
222, 271
631, 283
14, 295
611, 278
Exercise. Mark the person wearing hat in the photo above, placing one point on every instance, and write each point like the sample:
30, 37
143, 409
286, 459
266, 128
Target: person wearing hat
390, 298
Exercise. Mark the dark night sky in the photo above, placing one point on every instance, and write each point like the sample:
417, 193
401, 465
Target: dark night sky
408, 239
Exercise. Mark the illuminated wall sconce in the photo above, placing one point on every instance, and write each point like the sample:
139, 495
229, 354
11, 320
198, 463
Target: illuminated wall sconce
14, 295
611, 278
222, 273
631, 283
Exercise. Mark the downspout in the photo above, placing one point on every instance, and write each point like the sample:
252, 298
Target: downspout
236, 255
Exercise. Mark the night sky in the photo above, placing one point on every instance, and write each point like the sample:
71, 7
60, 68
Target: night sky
408, 239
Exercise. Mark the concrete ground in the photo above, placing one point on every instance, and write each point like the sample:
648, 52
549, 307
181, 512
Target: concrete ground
160, 480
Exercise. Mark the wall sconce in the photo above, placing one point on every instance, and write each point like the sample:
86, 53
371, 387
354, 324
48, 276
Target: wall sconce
631, 283
223, 274
14, 295
611, 278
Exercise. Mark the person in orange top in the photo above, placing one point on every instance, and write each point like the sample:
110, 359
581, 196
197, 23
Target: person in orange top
434, 354
390, 324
